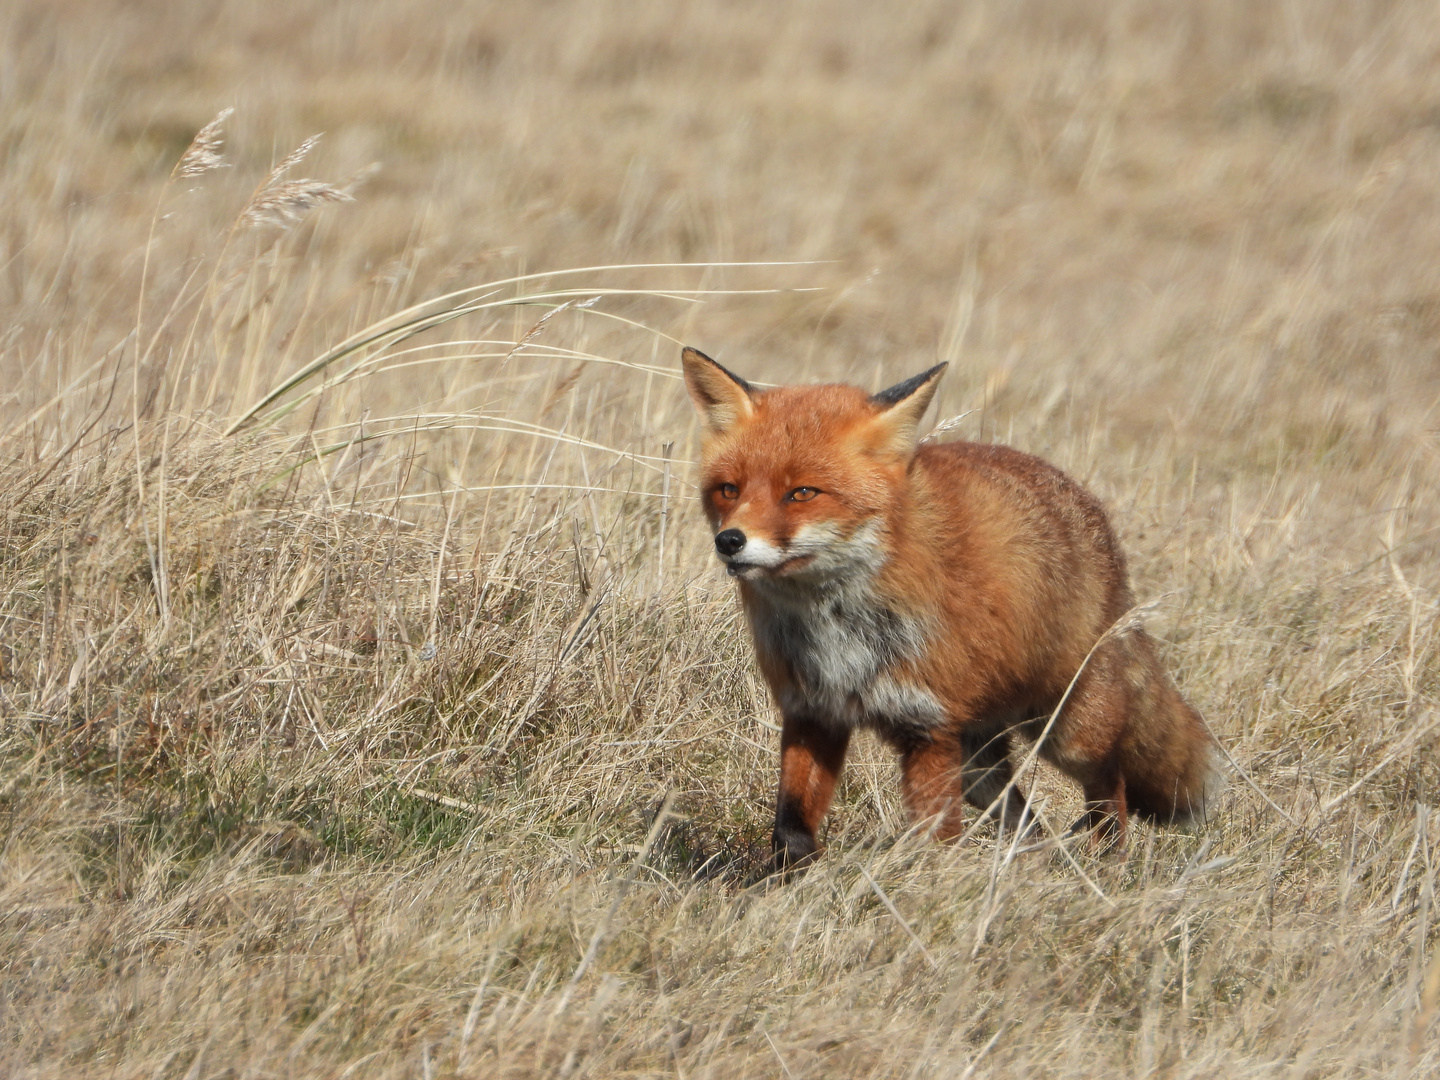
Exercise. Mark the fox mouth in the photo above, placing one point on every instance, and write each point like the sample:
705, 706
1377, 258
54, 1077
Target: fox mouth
746, 570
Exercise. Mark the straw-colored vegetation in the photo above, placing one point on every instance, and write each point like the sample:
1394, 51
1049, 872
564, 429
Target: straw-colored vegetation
386, 716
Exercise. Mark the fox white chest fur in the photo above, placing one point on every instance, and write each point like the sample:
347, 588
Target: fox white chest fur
845, 650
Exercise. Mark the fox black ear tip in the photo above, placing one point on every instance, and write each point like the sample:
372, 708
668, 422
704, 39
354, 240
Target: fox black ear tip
689, 352
922, 383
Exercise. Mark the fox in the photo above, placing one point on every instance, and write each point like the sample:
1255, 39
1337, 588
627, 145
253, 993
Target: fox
949, 597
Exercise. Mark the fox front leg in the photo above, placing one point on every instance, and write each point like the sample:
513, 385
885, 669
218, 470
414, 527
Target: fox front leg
811, 756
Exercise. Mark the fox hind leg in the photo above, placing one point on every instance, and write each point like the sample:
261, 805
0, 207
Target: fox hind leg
987, 778
1106, 811
1134, 743
1085, 744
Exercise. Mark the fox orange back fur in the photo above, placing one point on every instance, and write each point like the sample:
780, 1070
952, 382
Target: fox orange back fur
945, 596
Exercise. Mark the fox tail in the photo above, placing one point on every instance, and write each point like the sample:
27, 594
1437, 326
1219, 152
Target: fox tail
1172, 765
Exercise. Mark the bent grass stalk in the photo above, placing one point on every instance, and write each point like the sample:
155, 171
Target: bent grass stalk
396, 328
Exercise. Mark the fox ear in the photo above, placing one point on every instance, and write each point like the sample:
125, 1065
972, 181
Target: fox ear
721, 397
901, 407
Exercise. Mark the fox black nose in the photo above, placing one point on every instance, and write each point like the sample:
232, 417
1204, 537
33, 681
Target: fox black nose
729, 542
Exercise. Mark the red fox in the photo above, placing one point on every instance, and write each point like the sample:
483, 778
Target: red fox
945, 596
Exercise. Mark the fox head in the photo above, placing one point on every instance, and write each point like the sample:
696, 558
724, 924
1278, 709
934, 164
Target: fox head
802, 482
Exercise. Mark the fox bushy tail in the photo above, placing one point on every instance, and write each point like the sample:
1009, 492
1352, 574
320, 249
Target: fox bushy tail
1171, 764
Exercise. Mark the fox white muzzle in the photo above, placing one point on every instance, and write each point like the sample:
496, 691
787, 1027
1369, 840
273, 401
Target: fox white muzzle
741, 553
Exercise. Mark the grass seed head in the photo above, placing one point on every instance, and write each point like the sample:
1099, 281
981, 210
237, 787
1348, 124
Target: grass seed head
203, 153
288, 201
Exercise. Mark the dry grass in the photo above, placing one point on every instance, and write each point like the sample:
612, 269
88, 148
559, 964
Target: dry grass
338, 745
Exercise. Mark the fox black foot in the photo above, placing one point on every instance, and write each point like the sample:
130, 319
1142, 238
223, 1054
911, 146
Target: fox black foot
1105, 831
792, 849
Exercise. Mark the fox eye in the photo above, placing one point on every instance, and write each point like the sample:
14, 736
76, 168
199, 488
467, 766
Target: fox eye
803, 494
729, 491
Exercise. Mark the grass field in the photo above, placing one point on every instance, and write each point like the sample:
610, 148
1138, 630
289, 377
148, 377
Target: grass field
400, 724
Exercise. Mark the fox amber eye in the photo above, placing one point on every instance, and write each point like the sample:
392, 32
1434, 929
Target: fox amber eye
729, 491
803, 494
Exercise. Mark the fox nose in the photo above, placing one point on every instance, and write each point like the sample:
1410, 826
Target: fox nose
729, 542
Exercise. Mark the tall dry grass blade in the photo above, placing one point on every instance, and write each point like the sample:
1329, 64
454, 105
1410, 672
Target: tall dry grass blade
603, 927
904, 925
1402, 746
